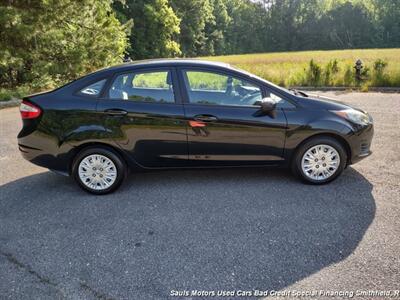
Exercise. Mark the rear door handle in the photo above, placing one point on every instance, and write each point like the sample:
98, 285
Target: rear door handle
205, 118
115, 112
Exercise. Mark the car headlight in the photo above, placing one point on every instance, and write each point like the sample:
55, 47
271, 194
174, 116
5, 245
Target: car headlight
354, 116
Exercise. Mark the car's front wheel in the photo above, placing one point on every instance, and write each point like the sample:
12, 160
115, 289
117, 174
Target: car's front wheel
320, 160
98, 170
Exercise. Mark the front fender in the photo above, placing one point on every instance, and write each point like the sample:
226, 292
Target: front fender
304, 124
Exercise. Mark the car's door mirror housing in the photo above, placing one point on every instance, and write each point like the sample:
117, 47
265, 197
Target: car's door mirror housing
267, 106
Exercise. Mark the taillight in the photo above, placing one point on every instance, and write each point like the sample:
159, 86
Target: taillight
29, 111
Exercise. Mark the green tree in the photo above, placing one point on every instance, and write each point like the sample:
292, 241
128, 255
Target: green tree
347, 26
246, 32
155, 30
216, 28
47, 42
387, 15
319, 24
194, 15
291, 24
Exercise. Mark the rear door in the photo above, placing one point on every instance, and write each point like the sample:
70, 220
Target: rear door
143, 110
225, 125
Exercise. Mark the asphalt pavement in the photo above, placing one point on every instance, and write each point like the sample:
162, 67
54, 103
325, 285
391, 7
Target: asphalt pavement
172, 232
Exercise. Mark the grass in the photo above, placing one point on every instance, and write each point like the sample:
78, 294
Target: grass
295, 69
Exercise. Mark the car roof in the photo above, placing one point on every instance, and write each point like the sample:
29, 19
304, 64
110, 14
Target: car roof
169, 62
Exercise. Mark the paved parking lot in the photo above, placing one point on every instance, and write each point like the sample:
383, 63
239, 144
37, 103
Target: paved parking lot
206, 230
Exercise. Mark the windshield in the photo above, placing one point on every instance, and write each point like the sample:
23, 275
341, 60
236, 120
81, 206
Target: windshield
291, 91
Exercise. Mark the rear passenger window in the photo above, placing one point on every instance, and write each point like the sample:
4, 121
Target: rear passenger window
144, 87
94, 89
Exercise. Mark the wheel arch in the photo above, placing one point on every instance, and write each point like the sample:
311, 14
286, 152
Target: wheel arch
76, 150
337, 137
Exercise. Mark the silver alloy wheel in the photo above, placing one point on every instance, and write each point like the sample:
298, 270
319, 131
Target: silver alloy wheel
320, 162
97, 172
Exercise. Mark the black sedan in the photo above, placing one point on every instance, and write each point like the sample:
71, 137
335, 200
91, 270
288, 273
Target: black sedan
187, 113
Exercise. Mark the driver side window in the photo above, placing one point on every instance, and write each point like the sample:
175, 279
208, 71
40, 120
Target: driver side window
206, 87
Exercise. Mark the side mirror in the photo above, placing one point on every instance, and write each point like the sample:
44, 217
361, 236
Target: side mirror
267, 106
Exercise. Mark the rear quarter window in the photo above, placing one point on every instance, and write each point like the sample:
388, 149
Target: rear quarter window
93, 89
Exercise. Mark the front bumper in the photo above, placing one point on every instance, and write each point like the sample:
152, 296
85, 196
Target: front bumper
360, 143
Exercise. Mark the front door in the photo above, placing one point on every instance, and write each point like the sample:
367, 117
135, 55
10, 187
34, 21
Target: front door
143, 111
225, 125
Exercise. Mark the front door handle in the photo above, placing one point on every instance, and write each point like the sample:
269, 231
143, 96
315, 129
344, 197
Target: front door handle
116, 112
205, 118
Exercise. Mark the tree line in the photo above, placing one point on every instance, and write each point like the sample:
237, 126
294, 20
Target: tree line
46, 42
217, 27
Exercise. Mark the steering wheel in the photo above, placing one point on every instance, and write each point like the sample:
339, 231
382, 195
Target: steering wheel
248, 99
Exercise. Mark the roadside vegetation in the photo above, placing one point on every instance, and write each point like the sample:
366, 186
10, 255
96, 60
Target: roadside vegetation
381, 67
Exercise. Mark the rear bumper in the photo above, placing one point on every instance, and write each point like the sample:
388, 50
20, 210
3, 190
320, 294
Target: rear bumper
31, 154
360, 143
46, 155
42, 159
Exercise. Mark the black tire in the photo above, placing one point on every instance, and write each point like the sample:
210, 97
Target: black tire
296, 161
119, 163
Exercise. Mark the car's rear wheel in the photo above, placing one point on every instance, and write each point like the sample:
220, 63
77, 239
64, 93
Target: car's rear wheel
98, 170
319, 160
